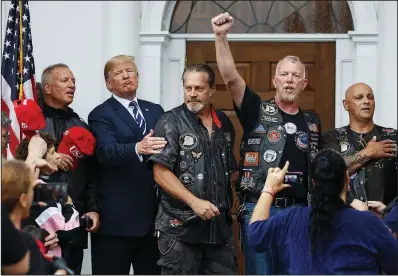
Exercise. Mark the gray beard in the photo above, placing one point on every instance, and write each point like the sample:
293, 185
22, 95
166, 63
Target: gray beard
196, 109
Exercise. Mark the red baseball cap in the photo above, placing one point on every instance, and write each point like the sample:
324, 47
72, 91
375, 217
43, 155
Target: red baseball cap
77, 142
30, 117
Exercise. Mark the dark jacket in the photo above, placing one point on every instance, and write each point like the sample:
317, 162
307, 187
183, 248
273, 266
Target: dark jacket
82, 181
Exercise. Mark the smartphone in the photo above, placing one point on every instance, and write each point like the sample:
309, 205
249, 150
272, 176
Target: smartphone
53, 192
293, 178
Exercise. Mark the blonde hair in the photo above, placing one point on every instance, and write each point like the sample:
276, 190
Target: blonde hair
292, 59
110, 64
16, 179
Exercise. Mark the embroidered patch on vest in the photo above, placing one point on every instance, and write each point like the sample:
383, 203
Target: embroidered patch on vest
269, 119
251, 159
187, 178
274, 136
183, 164
270, 156
196, 155
260, 129
254, 141
188, 141
247, 180
344, 147
302, 140
312, 127
290, 128
269, 109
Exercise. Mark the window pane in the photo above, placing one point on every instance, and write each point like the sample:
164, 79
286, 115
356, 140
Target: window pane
264, 16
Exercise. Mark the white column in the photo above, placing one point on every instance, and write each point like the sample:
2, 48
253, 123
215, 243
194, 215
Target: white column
386, 99
365, 68
121, 27
152, 48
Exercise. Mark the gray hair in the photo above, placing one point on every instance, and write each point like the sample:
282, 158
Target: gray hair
292, 59
5, 121
211, 79
47, 73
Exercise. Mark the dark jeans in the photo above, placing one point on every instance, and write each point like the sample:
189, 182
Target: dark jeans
264, 263
178, 257
114, 255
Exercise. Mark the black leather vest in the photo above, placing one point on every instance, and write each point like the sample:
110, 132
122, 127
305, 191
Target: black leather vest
190, 166
358, 179
263, 147
196, 152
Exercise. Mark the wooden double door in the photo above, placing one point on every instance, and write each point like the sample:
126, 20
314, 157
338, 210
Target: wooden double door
256, 63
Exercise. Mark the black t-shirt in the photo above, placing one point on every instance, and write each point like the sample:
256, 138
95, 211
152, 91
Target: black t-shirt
296, 145
13, 248
295, 152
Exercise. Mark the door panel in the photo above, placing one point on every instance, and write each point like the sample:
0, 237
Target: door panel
256, 63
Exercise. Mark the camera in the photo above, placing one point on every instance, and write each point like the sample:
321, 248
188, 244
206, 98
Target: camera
54, 192
294, 178
86, 222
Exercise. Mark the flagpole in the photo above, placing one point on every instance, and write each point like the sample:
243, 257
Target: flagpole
20, 52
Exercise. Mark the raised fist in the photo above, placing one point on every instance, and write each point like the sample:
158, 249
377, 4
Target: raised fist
222, 23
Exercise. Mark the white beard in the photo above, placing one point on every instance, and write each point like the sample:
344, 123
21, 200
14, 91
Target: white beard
196, 107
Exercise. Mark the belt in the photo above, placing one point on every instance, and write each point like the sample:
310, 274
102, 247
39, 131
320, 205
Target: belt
282, 202
279, 202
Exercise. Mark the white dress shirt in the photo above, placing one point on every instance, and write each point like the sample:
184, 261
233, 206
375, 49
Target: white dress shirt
126, 104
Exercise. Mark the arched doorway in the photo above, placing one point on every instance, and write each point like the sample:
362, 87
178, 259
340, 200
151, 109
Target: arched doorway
320, 32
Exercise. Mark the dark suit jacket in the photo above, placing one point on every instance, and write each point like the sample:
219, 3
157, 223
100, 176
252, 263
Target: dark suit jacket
126, 185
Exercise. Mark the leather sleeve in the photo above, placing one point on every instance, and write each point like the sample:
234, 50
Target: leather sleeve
167, 128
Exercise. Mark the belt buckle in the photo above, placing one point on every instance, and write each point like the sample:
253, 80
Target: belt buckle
285, 202
277, 199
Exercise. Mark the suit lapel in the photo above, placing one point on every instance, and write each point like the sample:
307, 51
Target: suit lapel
124, 115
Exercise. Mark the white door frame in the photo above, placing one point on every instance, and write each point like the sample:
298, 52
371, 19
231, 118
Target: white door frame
163, 54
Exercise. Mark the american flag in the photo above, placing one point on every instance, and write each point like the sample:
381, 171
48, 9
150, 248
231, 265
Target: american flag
18, 68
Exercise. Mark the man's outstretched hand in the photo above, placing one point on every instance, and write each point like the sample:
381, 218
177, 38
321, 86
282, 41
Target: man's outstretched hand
150, 144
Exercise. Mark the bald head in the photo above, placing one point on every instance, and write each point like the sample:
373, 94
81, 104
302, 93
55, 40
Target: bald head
359, 102
357, 88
